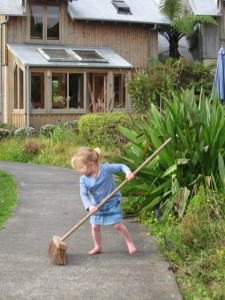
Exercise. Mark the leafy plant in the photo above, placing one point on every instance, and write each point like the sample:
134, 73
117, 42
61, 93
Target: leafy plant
23, 132
160, 79
72, 125
4, 133
101, 128
194, 156
182, 25
47, 130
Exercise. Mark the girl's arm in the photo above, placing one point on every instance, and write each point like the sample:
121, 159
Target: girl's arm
85, 195
114, 168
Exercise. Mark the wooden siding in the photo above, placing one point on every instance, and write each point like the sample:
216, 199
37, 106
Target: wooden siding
222, 26
128, 40
18, 120
38, 120
209, 36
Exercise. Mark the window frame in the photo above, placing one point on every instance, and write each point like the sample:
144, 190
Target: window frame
18, 89
43, 77
68, 109
44, 39
122, 91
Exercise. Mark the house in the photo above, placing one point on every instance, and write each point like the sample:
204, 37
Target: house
211, 37
61, 59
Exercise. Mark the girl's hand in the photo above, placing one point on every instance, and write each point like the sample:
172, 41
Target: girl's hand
129, 175
93, 209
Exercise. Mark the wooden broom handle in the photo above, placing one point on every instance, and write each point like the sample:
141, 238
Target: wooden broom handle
66, 235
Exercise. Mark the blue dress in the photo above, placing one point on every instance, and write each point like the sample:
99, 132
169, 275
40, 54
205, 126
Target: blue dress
94, 190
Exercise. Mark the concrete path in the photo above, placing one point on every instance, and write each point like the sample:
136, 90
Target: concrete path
49, 204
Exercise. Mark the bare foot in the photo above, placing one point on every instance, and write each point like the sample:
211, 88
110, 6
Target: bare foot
131, 249
95, 251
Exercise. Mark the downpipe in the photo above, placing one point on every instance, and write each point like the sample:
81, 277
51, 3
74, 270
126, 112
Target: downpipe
1, 88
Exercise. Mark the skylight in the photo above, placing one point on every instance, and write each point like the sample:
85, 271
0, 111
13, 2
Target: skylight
122, 7
57, 55
64, 55
89, 56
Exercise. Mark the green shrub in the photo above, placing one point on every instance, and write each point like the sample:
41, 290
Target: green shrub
47, 130
24, 132
101, 128
157, 82
4, 133
72, 125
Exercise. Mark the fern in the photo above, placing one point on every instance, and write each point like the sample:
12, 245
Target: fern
187, 24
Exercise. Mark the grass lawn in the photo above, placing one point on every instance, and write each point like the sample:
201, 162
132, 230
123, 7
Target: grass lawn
8, 196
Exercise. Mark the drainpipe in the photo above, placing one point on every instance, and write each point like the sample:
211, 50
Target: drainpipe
25, 7
1, 96
27, 96
149, 42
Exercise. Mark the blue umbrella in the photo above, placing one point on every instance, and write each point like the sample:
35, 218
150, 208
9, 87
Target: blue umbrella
219, 81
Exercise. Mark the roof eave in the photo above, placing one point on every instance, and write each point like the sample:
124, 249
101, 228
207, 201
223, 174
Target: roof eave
120, 21
14, 15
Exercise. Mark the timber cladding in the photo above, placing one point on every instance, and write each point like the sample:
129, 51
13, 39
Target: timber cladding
37, 120
128, 40
134, 42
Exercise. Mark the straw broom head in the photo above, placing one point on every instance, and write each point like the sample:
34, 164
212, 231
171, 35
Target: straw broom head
57, 251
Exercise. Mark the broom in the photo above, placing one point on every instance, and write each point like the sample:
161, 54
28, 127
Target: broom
57, 248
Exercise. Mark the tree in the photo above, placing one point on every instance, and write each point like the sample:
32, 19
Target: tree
181, 25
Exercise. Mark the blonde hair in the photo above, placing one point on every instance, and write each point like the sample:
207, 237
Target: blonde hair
86, 155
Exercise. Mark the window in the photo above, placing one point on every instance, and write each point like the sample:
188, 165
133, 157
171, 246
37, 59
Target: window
37, 90
18, 89
76, 91
44, 23
59, 84
119, 91
57, 54
89, 56
122, 7
60, 54
67, 90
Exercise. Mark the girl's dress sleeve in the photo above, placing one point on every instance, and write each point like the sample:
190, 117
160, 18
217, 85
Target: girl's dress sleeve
84, 193
114, 168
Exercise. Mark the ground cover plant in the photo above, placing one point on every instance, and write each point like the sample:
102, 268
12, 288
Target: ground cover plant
8, 196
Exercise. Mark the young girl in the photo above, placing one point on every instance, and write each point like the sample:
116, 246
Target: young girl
98, 181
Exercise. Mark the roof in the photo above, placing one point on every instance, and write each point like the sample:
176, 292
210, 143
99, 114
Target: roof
204, 7
11, 8
30, 55
143, 11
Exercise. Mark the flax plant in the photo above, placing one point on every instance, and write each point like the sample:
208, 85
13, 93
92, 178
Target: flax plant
194, 157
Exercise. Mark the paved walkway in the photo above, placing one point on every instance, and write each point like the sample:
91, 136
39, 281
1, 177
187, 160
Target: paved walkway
49, 204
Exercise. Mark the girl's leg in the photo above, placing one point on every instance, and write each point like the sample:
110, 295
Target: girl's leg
96, 234
125, 234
